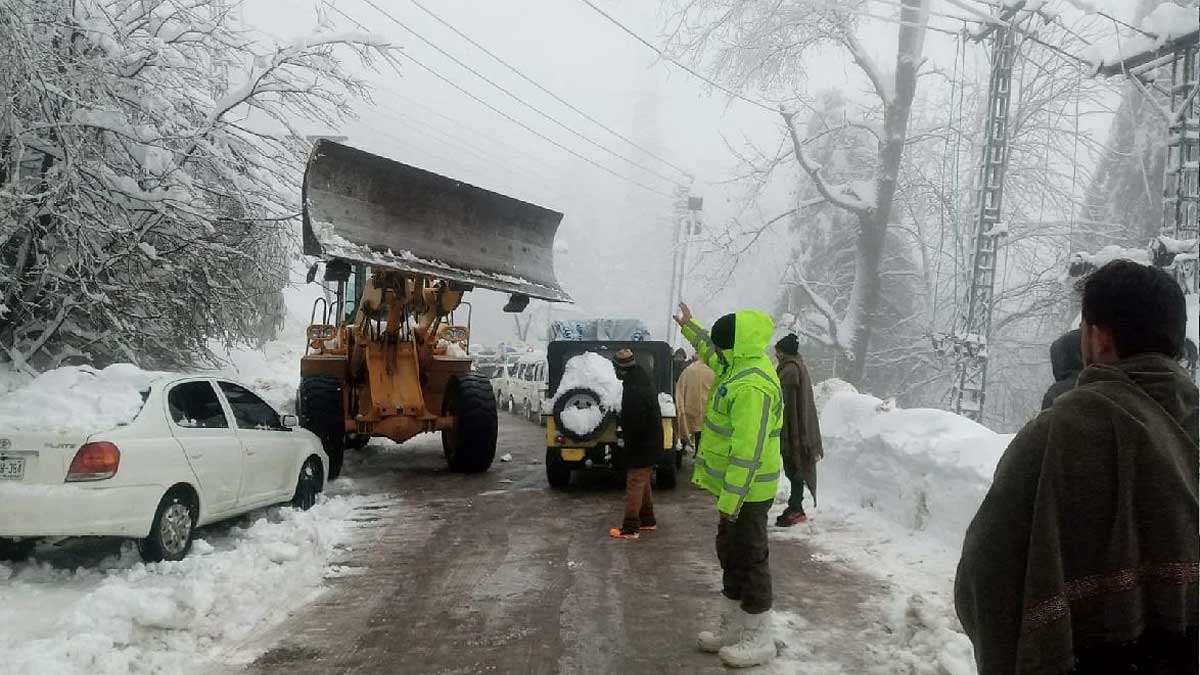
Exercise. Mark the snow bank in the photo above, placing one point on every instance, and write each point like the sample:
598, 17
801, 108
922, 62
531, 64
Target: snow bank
76, 399
926, 470
123, 616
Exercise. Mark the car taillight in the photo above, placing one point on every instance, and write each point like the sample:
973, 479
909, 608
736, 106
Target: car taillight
560, 439
94, 461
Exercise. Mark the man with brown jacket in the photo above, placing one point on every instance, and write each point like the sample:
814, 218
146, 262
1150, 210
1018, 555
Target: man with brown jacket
801, 441
1084, 556
691, 395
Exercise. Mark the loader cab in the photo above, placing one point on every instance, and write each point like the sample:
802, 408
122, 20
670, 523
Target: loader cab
352, 295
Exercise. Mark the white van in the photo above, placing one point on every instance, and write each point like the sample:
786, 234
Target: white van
527, 386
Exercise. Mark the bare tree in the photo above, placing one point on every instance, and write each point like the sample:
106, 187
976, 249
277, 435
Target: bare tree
764, 44
150, 155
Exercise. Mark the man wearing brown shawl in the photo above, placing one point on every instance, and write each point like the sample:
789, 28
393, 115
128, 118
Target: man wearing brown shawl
801, 440
1083, 556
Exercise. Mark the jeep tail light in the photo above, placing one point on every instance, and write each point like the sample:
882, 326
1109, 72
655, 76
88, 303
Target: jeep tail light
94, 461
559, 439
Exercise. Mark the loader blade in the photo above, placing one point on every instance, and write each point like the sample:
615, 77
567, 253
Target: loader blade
365, 208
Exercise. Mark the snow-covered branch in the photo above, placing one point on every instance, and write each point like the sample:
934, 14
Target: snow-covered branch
838, 195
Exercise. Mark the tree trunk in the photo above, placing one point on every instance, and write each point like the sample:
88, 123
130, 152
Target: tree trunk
872, 228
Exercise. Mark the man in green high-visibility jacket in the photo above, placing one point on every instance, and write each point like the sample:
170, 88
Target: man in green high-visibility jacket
739, 463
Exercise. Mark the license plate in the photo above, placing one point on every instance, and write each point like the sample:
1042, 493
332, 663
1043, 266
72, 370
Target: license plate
572, 454
12, 468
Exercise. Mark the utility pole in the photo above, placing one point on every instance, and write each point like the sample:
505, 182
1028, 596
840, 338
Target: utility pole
969, 344
687, 227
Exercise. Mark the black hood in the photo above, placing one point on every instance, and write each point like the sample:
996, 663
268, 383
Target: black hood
1066, 356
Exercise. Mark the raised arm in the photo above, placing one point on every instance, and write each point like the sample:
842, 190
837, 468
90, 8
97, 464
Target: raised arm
695, 333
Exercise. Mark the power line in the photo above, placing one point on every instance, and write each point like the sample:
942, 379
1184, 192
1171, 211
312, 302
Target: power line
516, 98
489, 137
487, 158
663, 55
555, 96
391, 60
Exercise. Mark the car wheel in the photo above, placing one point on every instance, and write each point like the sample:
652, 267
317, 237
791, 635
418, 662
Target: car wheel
308, 485
558, 472
171, 532
321, 411
16, 550
470, 444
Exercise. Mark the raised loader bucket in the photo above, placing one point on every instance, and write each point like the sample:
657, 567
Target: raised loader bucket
365, 208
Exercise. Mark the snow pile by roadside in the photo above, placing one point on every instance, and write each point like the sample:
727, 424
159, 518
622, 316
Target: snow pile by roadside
124, 616
926, 470
76, 398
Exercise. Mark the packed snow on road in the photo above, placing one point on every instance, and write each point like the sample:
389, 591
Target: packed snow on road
66, 612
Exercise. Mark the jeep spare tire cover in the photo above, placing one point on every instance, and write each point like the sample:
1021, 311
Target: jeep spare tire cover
578, 415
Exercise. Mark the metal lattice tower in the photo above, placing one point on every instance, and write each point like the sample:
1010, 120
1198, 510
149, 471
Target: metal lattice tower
970, 345
1181, 183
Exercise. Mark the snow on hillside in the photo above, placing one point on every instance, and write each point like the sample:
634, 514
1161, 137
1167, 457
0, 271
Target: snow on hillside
120, 616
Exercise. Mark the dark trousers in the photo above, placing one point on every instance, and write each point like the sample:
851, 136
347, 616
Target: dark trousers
743, 552
639, 507
796, 477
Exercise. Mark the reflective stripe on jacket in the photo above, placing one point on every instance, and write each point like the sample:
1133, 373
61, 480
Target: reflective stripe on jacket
739, 457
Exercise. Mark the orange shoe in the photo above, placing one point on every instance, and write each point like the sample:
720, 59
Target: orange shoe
616, 533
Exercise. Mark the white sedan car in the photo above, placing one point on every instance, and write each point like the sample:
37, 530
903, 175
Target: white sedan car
201, 449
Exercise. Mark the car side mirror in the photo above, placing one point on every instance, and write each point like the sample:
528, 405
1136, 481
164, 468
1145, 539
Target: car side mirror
289, 421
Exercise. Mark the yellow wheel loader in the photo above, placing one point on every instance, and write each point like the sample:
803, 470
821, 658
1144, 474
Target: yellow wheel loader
388, 355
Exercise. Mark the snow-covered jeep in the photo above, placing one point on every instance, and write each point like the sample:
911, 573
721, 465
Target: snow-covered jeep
582, 414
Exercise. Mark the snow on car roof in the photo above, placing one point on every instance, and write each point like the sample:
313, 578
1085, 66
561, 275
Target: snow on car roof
78, 399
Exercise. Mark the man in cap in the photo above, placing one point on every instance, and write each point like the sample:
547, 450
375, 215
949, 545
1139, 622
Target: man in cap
642, 438
739, 464
801, 442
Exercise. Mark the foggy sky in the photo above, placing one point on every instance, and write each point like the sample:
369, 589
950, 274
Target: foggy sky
618, 236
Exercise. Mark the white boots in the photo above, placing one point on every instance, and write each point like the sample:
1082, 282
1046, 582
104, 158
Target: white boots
743, 640
755, 646
730, 630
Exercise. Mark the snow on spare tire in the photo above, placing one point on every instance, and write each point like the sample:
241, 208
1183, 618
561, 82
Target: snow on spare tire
588, 395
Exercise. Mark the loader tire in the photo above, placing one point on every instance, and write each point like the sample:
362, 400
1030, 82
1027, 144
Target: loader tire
470, 445
319, 404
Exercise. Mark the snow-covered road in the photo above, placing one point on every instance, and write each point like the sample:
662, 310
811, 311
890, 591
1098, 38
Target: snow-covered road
92, 607
408, 568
